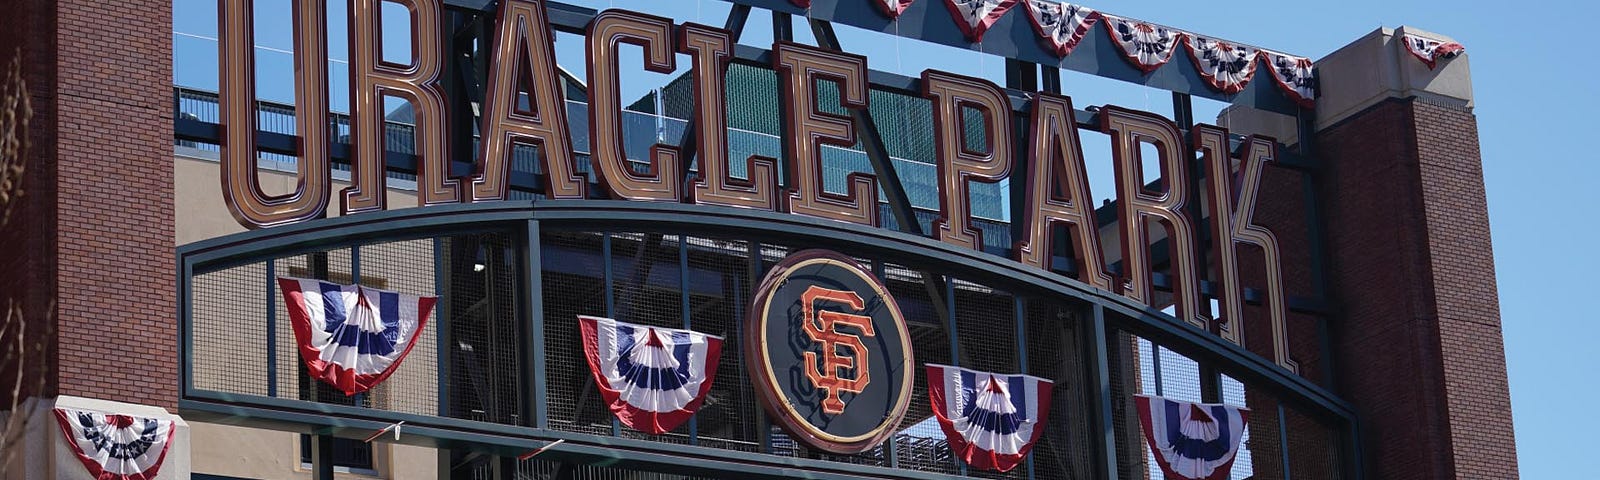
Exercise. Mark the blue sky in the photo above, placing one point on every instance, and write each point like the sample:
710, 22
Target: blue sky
1535, 88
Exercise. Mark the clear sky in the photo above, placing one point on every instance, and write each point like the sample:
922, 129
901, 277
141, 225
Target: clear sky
1536, 92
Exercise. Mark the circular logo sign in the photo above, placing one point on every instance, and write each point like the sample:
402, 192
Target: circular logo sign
827, 349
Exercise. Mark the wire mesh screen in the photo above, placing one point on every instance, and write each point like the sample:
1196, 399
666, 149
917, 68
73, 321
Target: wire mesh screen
230, 335
244, 338
920, 444
414, 386
1314, 446
573, 283
986, 329
1123, 362
720, 286
1055, 352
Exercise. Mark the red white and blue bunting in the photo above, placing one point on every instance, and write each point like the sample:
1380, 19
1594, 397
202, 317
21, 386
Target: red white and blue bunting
1430, 51
1227, 67
1294, 75
116, 447
653, 379
975, 16
1146, 45
990, 420
350, 336
1192, 441
1061, 24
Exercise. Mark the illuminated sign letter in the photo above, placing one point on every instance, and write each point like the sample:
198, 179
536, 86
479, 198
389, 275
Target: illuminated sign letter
371, 79
524, 38
608, 30
1129, 129
1056, 165
808, 129
1232, 222
711, 49
959, 162
241, 187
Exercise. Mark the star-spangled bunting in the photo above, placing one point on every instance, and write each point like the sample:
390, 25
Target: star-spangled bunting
1430, 51
1061, 24
1146, 45
1192, 441
991, 420
1294, 75
653, 379
350, 336
116, 447
975, 16
1227, 67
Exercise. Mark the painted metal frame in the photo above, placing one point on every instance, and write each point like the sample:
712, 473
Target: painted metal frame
1104, 312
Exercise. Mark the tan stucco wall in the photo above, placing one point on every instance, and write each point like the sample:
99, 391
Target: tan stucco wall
228, 302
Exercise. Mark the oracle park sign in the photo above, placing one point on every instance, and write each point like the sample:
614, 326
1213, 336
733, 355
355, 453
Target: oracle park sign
825, 340
1056, 187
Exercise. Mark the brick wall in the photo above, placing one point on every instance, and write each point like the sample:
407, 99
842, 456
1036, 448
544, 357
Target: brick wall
114, 207
100, 239
1418, 345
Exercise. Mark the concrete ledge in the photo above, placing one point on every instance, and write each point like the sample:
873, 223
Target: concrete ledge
1370, 69
42, 452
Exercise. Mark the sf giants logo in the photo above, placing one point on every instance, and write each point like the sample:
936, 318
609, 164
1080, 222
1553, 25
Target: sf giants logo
822, 327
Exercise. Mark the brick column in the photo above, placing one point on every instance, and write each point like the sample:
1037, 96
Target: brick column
94, 236
1418, 344
114, 215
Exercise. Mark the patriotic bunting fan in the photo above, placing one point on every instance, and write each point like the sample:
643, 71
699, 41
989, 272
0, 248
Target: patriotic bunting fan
652, 378
1429, 51
116, 447
350, 336
990, 420
1060, 23
975, 16
1227, 67
1192, 441
1148, 46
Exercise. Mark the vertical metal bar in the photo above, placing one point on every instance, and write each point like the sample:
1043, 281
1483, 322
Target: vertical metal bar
683, 292
782, 27
1155, 365
955, 344
1019, 315
736, 20
321, 457
1052, 79
1353, 463
1099, 381
359, 399
893, 452
441, 279
611, 302
755, 271
534, 352
272, 329
1283, 442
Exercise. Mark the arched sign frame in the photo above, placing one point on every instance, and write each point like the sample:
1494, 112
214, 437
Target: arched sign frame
1104, 311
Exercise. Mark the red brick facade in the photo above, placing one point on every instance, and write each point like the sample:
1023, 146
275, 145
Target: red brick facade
96, 234
1417, 344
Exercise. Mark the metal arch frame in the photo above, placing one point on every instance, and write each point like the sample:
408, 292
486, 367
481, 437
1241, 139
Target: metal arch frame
1110, 312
